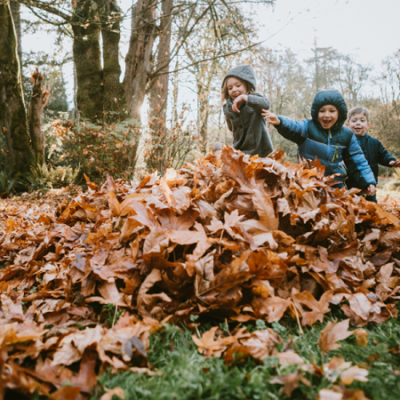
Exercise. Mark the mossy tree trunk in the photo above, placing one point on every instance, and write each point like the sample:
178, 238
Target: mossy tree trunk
13, 123
16, 15
110, 16
159, 91
87, 58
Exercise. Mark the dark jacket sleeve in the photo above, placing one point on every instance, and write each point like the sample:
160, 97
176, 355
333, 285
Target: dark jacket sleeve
229, 123
258, 102
357, 164
384, 157
293, 130
227, 119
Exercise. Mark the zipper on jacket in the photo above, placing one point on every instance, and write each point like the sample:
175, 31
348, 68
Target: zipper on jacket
329, 144
335, 154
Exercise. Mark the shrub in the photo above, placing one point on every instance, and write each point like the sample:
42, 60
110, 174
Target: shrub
43, 178
394, 183
8, 183
97, 150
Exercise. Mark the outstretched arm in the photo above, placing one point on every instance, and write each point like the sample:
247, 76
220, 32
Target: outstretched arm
385, 158
290, 129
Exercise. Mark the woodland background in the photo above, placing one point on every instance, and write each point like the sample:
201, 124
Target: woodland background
107, 130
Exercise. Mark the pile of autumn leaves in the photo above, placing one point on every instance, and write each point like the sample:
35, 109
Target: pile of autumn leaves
231, 237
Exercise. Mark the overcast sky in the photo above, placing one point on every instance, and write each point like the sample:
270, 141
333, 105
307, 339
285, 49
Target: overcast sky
367, 29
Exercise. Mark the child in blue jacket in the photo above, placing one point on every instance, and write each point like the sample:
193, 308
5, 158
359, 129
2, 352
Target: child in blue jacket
374, 151
325, 136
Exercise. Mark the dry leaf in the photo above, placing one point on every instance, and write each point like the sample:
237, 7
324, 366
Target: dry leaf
290, 382
117, 391
332, 333
354, 374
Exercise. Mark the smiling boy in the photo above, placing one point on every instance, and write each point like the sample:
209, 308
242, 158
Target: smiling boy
374, 151
324, 136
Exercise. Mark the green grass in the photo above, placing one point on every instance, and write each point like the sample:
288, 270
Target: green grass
188, 375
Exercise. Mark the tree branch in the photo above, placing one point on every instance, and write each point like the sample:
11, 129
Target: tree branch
45, 7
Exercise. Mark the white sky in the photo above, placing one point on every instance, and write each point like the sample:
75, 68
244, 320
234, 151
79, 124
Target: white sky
367, 29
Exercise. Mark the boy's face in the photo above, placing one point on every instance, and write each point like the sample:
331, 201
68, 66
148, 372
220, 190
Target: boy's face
236, 87
328, 116
359, 124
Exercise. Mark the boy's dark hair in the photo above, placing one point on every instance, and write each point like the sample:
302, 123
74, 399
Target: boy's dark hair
358, 110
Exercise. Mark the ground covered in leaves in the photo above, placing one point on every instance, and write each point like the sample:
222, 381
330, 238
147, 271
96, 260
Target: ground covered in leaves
236, 277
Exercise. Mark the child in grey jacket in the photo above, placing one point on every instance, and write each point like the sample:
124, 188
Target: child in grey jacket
242, 108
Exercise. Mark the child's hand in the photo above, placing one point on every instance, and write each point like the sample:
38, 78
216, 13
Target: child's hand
238, 102
395, 164
371, 189
271, 117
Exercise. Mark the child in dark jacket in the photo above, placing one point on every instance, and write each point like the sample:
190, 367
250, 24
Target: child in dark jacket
374, 152
325, 137
242, 108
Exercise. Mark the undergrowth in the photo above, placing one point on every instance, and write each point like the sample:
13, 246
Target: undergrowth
188, 375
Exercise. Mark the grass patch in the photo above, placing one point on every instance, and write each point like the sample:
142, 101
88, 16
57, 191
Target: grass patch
188, 375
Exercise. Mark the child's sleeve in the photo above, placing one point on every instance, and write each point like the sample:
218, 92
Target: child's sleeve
258, 102
293, 130
357, 164
229, 123
384, 157
227, 119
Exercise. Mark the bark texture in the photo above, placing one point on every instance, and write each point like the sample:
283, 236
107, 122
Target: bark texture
13, 122
87, 58
159, 91
38, 101
138, 61
15, 11
204, 77
110, 15
139, 57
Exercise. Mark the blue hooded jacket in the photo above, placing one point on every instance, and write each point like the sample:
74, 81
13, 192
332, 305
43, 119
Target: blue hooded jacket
336, 148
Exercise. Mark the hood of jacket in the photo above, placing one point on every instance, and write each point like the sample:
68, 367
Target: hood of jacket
243, 72
333, 97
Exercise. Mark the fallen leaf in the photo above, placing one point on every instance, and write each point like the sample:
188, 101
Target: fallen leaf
332, 333
117, 391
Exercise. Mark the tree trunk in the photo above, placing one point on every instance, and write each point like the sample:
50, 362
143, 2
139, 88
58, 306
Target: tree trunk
159, 91
111, 35
204, 78
175, 95
12, 109
138, 61
38, 101
15, 10
139, 57
87, 58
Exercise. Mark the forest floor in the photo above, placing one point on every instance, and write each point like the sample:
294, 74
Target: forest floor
184, 373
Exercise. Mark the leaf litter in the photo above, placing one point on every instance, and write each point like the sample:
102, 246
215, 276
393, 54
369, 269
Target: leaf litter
231, 237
